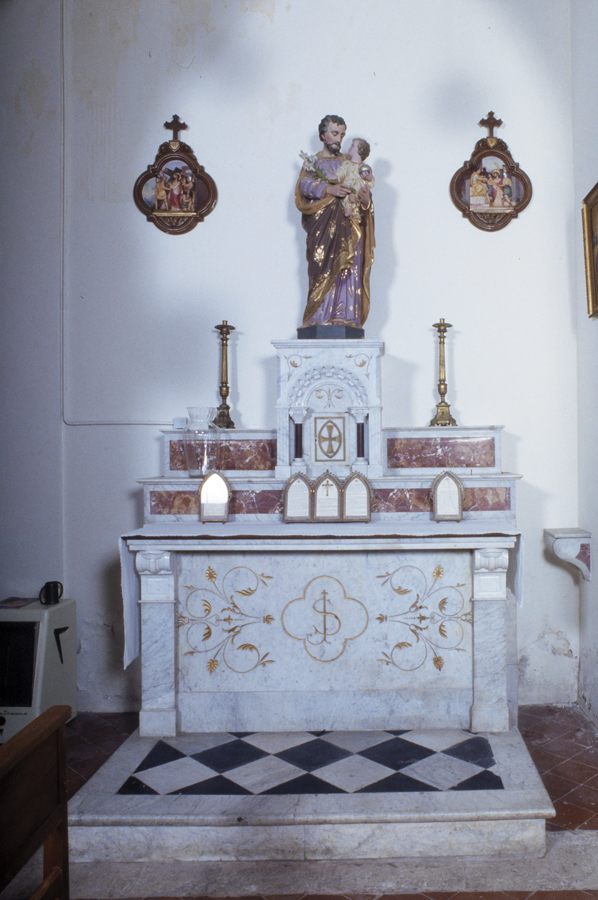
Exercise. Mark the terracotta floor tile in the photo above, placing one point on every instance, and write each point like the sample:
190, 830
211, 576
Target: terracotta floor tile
352, 896
562, 895
573, 769
557, 786
560, 724
82, 721
589, 757
540, 712
584, 796
519, 895
74, 781
331, 896
590, 825
545, 761
88, 767
482, 895
440, 895
563, 746
125, 721
584, 735
288, 896
391, 897
570, 816
81, 751
535, 737
110, 744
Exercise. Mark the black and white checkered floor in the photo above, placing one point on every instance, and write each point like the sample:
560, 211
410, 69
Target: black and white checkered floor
317, 762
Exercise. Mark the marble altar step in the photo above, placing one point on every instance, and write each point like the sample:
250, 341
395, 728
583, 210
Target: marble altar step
312, 795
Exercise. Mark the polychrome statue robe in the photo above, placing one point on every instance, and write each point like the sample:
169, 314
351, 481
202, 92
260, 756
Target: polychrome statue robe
340, 252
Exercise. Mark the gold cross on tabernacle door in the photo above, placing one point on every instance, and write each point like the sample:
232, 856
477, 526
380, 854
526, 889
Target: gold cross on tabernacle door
330, 439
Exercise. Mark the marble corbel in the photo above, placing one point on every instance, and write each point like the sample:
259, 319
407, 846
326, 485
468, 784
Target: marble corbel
297, 415
158, 676
572, 545
489, 711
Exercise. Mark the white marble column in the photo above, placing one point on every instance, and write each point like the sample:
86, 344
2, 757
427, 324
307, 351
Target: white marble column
489, 711
158, 675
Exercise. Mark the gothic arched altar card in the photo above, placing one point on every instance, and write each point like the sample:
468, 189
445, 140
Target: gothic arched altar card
490, 189
175, 193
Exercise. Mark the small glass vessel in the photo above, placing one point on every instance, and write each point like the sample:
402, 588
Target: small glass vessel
201, 439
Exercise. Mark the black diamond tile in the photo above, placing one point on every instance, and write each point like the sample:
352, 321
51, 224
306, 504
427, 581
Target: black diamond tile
305, 784
396, 753
133, 786
313, 755
397, 733
217, 785
483, 781
241, 734
318, 733
396, 783
229, 756
161, 753
476, 750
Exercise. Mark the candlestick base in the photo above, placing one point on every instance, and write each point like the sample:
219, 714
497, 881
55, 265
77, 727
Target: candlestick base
223, 419
443, 414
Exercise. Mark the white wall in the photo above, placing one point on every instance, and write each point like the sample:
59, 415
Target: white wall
31, 533
253, 78
584, 27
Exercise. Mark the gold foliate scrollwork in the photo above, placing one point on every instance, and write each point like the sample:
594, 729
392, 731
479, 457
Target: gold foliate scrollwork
425, 632
221, 630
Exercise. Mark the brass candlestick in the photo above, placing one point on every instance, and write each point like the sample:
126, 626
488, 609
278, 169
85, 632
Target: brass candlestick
223, 419
443, 415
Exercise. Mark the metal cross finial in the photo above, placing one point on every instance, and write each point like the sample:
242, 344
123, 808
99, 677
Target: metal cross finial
175, 126
490, 123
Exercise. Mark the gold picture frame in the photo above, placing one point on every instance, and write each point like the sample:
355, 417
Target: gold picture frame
589, 216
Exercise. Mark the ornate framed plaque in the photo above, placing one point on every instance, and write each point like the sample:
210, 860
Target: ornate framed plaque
447, 498
175, 192
490, 189
589, 214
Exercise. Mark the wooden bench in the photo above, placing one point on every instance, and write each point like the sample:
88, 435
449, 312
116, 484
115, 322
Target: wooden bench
33, 802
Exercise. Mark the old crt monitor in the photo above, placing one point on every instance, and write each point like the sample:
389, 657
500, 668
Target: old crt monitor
38, 668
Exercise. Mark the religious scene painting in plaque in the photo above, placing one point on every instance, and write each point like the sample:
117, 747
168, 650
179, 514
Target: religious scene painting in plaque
175, 193
490, 189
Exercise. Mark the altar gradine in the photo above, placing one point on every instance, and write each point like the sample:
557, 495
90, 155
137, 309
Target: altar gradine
400, 622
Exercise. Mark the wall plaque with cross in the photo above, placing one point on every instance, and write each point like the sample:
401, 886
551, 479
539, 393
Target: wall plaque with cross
175, 192
490, 189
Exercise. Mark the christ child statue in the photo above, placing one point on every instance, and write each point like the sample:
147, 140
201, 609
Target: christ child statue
353, 172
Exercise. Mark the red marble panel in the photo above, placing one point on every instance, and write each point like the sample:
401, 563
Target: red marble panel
486, 499
186, 503
256, 502
174, 503
241, 455
401, 500
440, 452
584, 555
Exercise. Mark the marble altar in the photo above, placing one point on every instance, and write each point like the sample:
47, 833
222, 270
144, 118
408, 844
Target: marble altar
330, 689
397, 622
